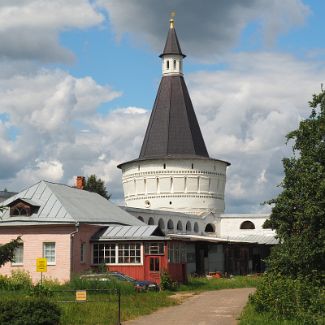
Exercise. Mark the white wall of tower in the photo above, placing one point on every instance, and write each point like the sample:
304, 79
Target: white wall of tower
191, 186
172, 65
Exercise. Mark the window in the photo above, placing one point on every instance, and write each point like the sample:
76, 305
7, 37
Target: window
49, 253
247, 225
104, 253
164, 166
176, 252
154, 248
122, 253
188, 226
174, 64
154, 264
82, 252
141, 218
129, 253
167, 64
179, 225
18, 255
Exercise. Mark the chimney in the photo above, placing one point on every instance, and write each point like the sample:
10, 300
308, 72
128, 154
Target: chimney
80, 182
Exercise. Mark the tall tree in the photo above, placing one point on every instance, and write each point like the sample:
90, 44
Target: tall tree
298, 215
94, 184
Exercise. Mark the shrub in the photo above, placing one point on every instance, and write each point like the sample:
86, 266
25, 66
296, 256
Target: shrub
166, 283
36, 311
19, 280
40, 290
288, 298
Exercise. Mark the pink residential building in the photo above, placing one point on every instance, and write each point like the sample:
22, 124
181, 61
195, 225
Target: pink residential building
57, 222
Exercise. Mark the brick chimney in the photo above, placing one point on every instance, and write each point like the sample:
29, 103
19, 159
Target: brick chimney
80, 182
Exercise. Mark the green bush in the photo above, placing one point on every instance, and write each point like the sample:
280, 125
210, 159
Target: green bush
166, 283
23, 311
288, 298
19, 280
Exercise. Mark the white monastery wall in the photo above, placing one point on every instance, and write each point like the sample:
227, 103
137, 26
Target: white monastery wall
230, 225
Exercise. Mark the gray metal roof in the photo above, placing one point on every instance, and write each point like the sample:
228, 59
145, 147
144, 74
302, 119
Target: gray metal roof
249, 239
129, 233
173, 129
172, 45
61, 203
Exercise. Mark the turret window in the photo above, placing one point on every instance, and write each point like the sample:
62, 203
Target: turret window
174, 64
167, 64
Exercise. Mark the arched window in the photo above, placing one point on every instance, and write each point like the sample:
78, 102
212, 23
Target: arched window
196, 227
174, 64
151, 221
161, 224
179, 225
209, 228
170, 224
192, 166
164, 166
167, 64
247, 225
188, 226
140, 218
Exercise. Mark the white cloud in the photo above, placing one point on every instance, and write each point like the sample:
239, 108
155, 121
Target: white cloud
209, 28
245, 113
29, 29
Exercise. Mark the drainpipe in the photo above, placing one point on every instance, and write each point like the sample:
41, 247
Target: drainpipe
71, 246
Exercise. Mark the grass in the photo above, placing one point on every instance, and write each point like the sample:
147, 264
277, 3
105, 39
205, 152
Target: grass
250, 316
102, 308
204, 284
105, 312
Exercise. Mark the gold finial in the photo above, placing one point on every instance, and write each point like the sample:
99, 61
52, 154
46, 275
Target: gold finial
171, 21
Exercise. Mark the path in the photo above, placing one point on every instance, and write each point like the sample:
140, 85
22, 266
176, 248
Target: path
220, 307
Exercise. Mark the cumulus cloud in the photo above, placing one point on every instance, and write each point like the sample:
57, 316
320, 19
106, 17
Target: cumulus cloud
245, 113
29, 29
208, 28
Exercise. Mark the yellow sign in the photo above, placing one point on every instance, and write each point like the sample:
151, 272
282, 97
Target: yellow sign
81, 295
41, 264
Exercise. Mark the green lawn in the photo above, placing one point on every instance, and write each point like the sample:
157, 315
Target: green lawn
204, 284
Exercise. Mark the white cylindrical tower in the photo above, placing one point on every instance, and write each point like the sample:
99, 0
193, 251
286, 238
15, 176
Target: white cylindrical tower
174, 171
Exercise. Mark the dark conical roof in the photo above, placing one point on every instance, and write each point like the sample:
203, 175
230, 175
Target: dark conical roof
173, 129
172, 45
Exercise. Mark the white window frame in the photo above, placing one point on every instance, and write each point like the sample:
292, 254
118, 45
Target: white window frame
20, 262
117, 245
44, 255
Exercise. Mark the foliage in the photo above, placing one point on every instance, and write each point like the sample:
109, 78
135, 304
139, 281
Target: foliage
19, 280
166, 283
94, 184
7, 251
287, 298
41, 290
26, 310
298, 215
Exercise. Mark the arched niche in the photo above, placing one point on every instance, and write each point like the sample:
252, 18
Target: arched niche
188, 226
151, 221
209, 228
196, 227
179, 225
170, 224
161, 224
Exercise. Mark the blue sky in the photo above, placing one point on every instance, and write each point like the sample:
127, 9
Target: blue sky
78, 80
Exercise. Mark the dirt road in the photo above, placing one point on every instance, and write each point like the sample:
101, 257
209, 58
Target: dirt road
220, 307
